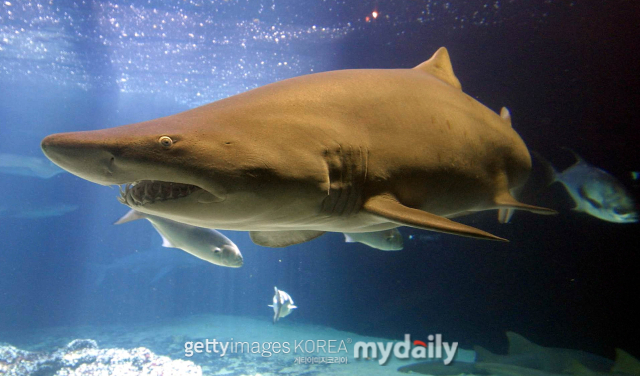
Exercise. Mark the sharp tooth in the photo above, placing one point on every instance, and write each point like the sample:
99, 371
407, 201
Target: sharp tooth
130, 200
135, 198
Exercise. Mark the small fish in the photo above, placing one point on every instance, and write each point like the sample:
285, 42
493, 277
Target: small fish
282, 305
204, 243
596, 192
387, 240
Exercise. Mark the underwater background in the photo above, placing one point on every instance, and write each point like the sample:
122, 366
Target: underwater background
568, 72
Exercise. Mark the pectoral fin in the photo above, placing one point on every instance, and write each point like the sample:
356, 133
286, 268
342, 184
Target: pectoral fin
389, 208
278, 239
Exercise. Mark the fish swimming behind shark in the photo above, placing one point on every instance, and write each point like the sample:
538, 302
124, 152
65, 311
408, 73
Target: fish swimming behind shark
282, 305
343, 151
595, 192
206, 244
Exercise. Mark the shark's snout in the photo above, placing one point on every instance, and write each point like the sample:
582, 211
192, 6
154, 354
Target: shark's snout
80, 156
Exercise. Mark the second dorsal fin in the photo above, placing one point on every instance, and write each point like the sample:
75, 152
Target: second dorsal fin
505, 115
440, 66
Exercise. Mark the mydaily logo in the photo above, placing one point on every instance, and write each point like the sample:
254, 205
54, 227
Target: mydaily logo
405, 349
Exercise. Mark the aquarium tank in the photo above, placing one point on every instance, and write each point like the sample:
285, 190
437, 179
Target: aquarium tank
319, 187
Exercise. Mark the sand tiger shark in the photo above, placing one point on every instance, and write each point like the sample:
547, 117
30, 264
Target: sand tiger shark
345, 151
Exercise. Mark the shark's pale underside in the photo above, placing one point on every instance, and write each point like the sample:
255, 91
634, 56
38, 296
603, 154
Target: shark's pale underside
343, 151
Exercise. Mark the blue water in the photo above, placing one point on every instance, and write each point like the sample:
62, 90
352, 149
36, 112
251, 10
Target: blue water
566, 70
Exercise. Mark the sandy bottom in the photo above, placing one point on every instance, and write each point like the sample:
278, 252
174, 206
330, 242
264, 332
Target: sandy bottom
291, 349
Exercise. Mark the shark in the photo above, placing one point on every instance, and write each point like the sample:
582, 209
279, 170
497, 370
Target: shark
23, 165
358, 150
525, 353
526, 358
206, 244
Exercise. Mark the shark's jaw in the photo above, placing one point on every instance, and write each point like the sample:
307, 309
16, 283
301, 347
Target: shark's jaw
141, 166
148, 192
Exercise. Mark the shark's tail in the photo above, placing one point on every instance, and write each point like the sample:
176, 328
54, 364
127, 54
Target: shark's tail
131, 215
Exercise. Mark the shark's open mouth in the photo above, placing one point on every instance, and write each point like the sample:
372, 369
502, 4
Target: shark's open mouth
149, 191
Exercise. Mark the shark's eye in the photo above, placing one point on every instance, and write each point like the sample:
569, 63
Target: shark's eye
165, 142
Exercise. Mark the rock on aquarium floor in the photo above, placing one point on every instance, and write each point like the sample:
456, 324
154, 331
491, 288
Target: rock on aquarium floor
83, 357
159, 348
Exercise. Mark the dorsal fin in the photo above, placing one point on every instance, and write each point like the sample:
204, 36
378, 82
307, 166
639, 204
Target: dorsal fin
579, 159
575, 368
505, 115
626, 363
520, 345
440, 66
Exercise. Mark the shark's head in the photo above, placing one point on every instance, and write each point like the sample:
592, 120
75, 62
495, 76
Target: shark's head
158, 163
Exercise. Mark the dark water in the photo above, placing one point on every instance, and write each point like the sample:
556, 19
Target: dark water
567, 71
